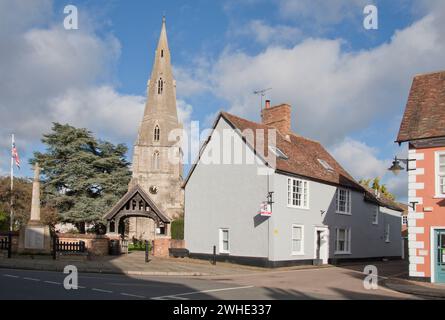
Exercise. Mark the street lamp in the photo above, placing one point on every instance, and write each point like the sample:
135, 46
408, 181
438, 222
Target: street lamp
396, 167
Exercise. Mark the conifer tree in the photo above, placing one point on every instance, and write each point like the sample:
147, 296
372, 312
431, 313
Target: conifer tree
82, 176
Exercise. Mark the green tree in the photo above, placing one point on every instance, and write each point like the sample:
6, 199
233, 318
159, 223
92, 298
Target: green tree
83, 176
376, 185
22, 195
4, 221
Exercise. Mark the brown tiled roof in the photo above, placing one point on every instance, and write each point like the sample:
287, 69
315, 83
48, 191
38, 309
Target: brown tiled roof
404, 206
303, 155
425, 111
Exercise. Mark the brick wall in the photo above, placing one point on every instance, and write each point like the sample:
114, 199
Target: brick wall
95, 245
161, 247
177, 244
278, 117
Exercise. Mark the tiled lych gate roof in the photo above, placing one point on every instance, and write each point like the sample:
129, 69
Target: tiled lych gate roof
425, 111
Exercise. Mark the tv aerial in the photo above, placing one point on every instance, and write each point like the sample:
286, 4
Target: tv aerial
262, 94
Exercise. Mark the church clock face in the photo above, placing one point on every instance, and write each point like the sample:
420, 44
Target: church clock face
154, 189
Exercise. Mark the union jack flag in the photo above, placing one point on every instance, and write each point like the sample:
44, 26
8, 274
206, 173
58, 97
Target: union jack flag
15, 155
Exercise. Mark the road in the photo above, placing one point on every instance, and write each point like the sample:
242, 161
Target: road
328, 283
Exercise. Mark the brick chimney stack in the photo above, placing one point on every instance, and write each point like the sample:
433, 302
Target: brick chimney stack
278, 117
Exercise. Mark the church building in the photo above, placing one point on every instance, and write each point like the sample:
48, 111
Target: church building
155, 189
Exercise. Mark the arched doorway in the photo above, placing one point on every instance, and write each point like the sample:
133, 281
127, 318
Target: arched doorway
136, 203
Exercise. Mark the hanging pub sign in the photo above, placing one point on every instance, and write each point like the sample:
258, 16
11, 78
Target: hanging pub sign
265, 210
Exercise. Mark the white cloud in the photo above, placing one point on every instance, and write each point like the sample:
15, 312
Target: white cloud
189, 82
42, 65
100, 109
266, 34
184, 112
359, 159
51, 74
333, 92
363, 162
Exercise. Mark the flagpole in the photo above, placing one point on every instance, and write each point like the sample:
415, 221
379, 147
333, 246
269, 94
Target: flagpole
11, 217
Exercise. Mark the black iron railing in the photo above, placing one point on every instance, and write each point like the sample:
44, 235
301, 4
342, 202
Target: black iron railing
6, 244
67, 247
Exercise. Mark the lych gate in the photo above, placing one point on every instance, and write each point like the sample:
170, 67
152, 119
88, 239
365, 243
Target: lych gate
136, 203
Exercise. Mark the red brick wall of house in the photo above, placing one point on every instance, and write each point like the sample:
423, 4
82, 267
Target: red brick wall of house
436, 217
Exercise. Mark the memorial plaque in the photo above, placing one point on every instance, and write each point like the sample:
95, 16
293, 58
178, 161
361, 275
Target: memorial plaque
34, 237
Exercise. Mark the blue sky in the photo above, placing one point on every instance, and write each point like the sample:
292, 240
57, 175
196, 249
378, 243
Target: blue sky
348, 86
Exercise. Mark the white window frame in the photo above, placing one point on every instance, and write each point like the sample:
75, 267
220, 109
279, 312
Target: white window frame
301, 252
439, 175
388, 233
348, 242
221, 240
375, 220
304, 194
348, 203
325, 164
278, 153
404, 218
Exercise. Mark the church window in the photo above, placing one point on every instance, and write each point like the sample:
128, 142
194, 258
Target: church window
162, 53
157, 133
160, 86
156, 160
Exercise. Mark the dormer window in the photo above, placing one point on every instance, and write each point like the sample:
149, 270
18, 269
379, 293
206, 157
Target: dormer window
160, 86
325, 165
277, 152
157, 133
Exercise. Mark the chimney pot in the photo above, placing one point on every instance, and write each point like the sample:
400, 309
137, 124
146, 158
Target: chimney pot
267, 104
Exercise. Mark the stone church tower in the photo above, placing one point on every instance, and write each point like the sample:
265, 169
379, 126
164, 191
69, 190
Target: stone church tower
157, 158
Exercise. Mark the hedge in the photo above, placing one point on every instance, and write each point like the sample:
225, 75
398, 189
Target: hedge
177, 229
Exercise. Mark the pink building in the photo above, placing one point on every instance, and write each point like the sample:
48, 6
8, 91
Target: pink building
423, 128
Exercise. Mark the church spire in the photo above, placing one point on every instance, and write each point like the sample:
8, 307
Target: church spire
161, 91
163, 43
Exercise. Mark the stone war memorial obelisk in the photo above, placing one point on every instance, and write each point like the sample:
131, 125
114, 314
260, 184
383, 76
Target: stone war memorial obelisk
35, 237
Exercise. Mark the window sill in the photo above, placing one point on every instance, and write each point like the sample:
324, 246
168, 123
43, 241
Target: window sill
224, 253
375, 223
342, 253
301, 208
343, 213
297, 254
439, 197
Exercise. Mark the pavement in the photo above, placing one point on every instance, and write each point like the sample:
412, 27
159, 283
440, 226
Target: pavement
424, 289
394, 276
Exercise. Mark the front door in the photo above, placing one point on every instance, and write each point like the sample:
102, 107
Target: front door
321, 244
439, 256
